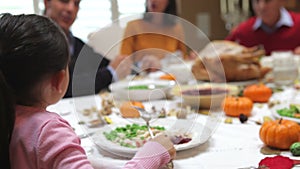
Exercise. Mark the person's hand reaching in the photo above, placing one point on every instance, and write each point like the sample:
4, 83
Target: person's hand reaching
122, 65
150, 63
297, 50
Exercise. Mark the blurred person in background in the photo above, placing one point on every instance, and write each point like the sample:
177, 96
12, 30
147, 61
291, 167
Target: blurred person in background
157, 34
64, 13
273, 27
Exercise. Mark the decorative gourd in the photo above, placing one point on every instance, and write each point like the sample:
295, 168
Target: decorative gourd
295, 149
258, 93
234, 106
280, 134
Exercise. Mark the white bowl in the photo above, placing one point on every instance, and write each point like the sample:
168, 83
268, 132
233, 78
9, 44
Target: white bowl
182, 72
141, 90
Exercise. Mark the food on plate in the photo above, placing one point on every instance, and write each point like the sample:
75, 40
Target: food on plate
128, 111
295, 149
135, 135
280, 134
167, 77
226, 61
132, 136
292, 111
180, 139
137, 104
258, 93
234, 106
144, 87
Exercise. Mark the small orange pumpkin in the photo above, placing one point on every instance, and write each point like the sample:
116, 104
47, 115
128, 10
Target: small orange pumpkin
258, 93
234, 106
280, 133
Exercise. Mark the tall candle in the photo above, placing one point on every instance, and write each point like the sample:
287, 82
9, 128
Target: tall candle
224, 7
231, 5
245, 6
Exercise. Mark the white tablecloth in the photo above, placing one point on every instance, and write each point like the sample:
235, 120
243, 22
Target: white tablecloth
231, 146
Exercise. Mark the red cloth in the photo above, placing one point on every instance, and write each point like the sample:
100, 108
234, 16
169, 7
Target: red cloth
285, 38
277, 162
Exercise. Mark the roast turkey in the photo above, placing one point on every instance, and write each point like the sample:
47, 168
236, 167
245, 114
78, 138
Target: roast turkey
226, 61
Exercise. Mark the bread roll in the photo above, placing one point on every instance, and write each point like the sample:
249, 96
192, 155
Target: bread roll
128, 111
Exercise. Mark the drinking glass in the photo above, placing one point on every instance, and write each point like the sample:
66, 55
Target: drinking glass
285, 69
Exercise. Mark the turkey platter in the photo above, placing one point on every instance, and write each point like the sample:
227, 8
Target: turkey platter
226, 61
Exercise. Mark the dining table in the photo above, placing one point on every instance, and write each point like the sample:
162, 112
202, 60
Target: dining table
227, 145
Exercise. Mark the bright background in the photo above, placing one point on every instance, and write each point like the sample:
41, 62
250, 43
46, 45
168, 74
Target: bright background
93, 14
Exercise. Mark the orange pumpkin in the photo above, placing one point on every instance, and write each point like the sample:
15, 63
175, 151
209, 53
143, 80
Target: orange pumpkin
258, 93
234, 106
280, 133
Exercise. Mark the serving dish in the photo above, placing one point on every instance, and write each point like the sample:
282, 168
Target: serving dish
141, 90
206, 95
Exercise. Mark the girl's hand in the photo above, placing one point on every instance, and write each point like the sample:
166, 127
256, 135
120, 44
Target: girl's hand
165, 141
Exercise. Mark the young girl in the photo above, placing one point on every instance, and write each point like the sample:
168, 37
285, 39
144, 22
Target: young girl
34, 56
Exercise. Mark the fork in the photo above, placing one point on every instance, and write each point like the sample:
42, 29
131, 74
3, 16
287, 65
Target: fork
146, 116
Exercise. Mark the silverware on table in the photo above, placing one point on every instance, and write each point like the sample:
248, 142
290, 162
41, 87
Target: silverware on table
87, 134
146, 116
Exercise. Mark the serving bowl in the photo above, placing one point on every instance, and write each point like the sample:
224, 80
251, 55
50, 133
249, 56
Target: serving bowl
141, 90
205, 95
182, 72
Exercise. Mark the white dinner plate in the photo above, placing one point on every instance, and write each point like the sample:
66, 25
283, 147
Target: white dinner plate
200, 134
157, 89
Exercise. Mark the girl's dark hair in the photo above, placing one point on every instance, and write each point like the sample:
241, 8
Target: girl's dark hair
7, 115
171, 11
31, 48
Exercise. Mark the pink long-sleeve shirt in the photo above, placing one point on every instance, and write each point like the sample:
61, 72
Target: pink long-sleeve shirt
43, 140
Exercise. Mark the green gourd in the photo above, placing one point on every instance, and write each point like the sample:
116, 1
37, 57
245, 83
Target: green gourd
295, 149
